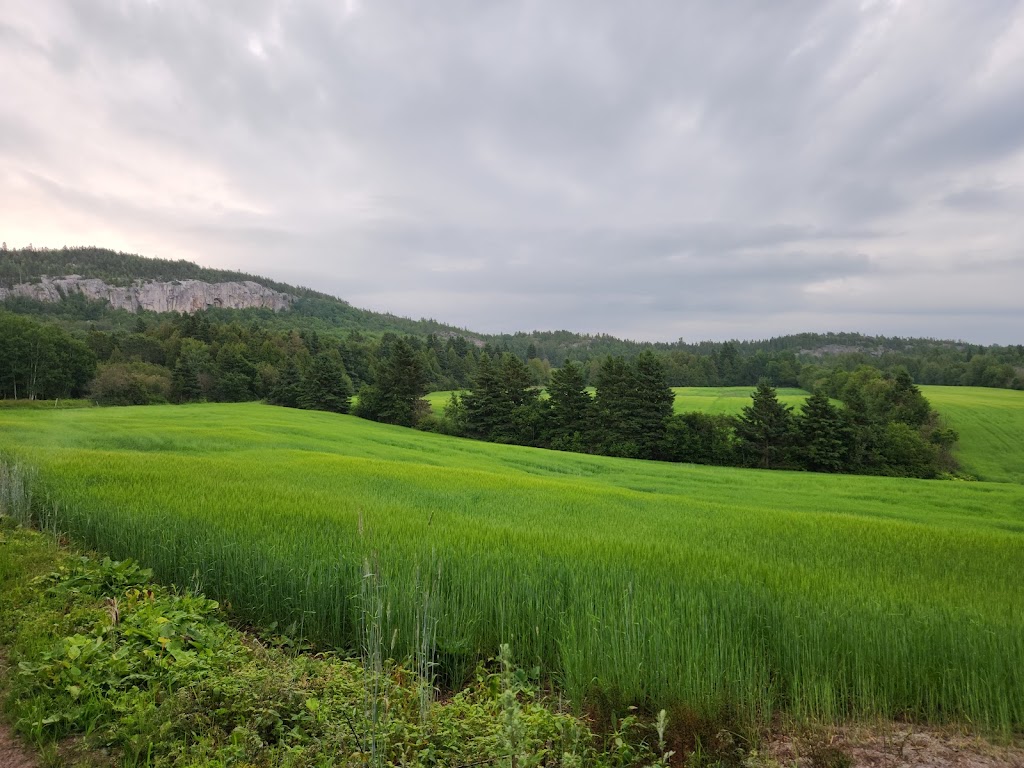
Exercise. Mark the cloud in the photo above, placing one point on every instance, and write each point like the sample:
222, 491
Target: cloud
713, 169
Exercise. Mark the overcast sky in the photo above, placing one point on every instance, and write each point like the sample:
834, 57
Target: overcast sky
654, 170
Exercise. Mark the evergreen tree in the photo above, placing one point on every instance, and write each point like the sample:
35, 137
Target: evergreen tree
613, 431
570, 407
400, 383
632, 407
904, 401
521, 424
864, 431
502, 404
483, 411
653, 404
288, 388
822, 435
326, 386
765, 430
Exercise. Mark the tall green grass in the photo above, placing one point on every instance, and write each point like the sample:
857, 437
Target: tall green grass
713, 588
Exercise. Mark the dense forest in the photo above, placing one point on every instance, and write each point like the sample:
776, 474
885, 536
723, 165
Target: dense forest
794, 360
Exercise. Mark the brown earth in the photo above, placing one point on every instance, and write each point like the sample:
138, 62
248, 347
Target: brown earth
12, 753
893, 745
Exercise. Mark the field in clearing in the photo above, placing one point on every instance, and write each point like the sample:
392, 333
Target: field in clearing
991, 427
728, 400
824, 596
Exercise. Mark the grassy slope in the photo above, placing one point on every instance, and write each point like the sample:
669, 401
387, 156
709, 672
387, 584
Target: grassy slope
991, 427
665, 582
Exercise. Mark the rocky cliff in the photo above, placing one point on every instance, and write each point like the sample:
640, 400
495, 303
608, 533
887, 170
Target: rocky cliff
178, 296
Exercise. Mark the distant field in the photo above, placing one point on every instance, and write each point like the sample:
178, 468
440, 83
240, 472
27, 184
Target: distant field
991, 427
728, 400
823, 596
438, 400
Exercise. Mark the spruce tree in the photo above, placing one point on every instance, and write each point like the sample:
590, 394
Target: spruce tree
325, 386
653, 403
395, 397
482, 402
288, 388
570, 407
613, 431
822, 435
765, 430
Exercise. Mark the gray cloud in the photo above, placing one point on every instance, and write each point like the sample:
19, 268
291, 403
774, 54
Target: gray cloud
698, 169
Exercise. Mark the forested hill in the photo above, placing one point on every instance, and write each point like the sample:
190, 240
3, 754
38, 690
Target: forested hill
30, 264
930, 361
311, 310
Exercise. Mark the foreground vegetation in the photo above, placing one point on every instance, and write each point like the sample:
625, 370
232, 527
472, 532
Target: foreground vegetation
103, 653
717, 590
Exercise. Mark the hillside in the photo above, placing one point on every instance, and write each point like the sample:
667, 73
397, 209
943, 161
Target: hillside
932, 361
278, 305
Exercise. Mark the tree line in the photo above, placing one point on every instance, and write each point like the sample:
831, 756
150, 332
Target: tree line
864, 420
873, 423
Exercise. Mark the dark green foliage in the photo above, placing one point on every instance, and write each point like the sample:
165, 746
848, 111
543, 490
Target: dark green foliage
192, 366
823, 436
400, 383
325, 386
701, 438
570, 409
502, 405
39, 361
904, 401
904, 452
632, 407
131, 384
765, 431
287, 391
235, 374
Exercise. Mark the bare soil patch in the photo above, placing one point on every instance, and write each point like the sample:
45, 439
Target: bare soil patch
12, 753
893, 745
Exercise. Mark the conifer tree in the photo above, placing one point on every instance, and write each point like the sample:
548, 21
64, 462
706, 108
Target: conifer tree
325, 386
288, 388
569, 408
400, 383
822, 435
483, 401
765, 430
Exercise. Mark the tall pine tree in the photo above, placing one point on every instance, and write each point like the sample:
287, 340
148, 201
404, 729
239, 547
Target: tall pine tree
569, 409
765, 429
822, 435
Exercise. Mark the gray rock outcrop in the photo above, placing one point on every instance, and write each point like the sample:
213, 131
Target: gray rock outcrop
179, 296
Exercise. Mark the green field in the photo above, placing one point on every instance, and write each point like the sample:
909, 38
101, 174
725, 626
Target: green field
991, 427
722, 589
728, 400
438, 400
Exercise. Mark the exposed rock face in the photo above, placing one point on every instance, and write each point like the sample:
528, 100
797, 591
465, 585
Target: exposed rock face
179, 296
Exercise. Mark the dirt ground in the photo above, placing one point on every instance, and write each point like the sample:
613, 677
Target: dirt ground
890, 746
12, 754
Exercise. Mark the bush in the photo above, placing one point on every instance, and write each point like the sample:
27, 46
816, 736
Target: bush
131, 384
